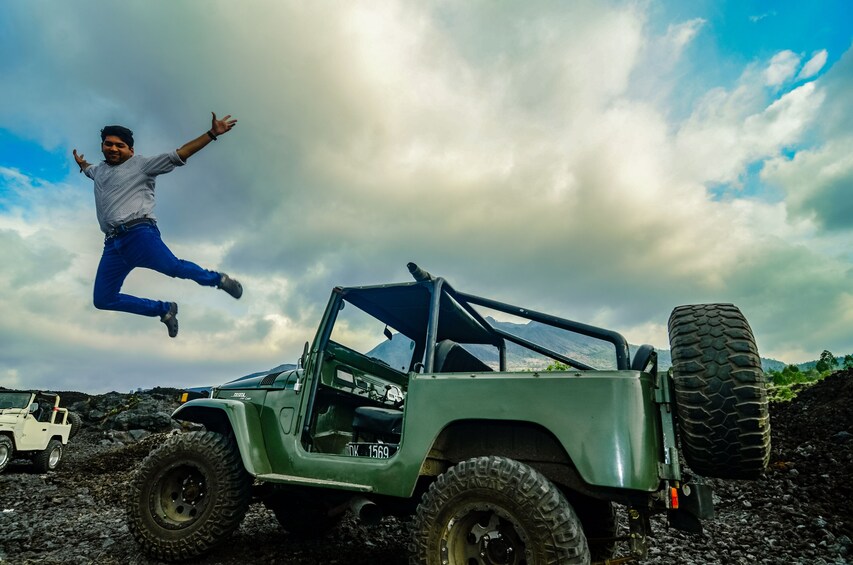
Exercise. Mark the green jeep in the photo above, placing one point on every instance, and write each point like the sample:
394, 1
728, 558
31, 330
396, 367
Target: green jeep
413, 400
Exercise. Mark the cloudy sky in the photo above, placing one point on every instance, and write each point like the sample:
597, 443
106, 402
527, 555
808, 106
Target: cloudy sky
602, 161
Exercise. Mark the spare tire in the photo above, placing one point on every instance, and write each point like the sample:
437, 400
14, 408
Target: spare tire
720, 392
76, 422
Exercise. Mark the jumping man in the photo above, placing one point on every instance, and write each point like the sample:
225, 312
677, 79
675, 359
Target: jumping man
124, 202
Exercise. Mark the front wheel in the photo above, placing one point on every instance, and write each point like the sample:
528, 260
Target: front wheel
6, 451
494, 510
49, 458
188, 496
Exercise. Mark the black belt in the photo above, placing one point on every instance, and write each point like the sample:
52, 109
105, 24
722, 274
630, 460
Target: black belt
122, 229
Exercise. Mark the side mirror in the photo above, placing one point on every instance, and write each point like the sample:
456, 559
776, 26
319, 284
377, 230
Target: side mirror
304, 356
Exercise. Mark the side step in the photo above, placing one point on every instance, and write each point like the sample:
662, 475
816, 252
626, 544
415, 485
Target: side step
308, 482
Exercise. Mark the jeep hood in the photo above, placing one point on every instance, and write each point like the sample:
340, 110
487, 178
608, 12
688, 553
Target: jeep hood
274, 379
10, 415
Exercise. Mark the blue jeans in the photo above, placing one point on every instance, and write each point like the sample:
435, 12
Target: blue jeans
141, 246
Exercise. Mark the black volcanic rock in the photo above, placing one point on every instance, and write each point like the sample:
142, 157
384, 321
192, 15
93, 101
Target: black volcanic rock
798, 513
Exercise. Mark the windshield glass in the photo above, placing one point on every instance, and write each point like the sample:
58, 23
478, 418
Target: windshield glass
14, 400
361, 332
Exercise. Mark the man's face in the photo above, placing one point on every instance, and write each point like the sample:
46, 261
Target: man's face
115, 150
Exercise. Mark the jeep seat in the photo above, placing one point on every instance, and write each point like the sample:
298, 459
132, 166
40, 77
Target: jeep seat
644, 357
450, 357
377, 421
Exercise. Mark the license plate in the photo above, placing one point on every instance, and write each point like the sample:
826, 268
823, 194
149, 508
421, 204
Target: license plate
372, 450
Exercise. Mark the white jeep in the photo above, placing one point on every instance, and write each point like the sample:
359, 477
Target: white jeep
33, 426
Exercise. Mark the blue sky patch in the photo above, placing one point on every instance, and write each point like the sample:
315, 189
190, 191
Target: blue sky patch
31, 158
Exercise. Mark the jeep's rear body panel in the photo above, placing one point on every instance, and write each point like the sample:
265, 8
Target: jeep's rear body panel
601, 418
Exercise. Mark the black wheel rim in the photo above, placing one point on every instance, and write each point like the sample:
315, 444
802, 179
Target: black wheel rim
179, 497
483, 534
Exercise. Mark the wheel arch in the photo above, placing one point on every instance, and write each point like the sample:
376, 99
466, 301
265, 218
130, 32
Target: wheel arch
233, 418
527, 442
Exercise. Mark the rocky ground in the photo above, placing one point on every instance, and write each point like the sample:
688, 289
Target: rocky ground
799, 513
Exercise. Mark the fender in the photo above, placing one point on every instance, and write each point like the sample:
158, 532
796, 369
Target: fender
231, 416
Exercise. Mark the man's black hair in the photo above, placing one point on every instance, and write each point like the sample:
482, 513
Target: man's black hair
120, 132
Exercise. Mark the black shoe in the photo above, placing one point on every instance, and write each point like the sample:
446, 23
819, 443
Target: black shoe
231, 286
170, 318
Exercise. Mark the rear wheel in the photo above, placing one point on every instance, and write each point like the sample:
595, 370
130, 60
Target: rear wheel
600, 525
6, 451
494, 510
720, 392
188, 496
49, 458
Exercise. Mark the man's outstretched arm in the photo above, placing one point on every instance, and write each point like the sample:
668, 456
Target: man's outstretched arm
217, 128
81, 161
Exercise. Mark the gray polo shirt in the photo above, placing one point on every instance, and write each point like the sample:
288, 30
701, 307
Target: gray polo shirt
126, 192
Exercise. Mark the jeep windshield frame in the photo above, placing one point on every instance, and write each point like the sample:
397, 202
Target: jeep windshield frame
14, 400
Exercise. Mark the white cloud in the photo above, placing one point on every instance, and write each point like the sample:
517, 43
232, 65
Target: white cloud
813, 66
534, 159
10, 378
678, 36
818, 183
782, 68
758, 17
727, 132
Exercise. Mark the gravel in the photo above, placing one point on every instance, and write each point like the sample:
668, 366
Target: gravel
798, 513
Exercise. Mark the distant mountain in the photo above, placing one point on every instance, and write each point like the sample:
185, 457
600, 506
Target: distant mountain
397, 352
590, 351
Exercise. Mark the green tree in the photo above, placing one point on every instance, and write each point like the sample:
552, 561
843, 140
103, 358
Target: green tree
793, 374
788, 375
774, 376
848, 362
827, 362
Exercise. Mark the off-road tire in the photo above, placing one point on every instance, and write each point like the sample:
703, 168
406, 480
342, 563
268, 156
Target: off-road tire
76, 423
720, 392
188, 495
49, 458
526, 517
7, 450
